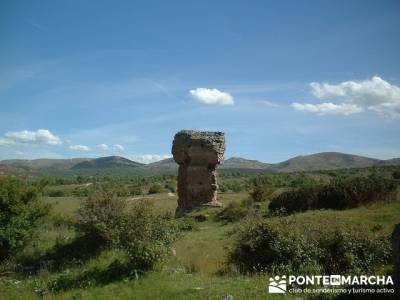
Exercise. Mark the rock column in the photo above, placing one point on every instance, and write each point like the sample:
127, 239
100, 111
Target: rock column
198, 153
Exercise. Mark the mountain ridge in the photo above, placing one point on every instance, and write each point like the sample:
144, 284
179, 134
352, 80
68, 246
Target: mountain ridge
311, 162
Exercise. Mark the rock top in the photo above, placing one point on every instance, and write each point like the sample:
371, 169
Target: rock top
187, 144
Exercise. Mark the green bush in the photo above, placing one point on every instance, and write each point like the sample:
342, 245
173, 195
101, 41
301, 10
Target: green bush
349, 250
396, 175
101, 215
146, 237
261, 193
105, 219
235, 211
135, 190
21, 211
296, 200
156, 188
186, 224
264, 246
81, 192
340, 194
294, 245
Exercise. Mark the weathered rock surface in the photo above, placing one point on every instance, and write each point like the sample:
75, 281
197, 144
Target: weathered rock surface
198, 153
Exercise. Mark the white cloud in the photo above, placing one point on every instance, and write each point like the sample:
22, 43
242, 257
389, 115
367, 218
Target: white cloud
4, 142
41, 136
268, 103
212, 96
103, 146
328, 108
373, 94
118, 147
79, 148
149, 158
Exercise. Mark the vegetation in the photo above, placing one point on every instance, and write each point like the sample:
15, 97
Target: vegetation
114, 239
298, 246
339, 194
20, 213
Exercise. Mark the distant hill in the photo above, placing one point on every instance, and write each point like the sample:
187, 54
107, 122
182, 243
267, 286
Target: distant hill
325, 161
121, 165
106, 163
241, 163
34, 165
165, 166
234, 163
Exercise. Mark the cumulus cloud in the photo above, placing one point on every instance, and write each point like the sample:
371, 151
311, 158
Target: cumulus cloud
79, 148
373, 94
103, 146
149, 158
328, 108
41, 136
212, 96
118, 147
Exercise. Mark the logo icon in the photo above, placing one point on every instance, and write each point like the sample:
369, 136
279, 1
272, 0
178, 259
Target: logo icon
335, 280
277, 285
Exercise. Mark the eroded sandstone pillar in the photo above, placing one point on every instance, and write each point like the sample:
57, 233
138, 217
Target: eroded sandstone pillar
198, 153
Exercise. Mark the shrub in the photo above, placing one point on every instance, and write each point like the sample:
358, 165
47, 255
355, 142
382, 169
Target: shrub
80, 192
146, 237
295, 245
171, 186
21, 211
101, 215
156, 188
186, 224
264, 246
234, 212
135, 190
105, 219
296, 200
261, 193
345, 251
340, 194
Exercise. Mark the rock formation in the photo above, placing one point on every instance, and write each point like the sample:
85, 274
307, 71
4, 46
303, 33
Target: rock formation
198, 153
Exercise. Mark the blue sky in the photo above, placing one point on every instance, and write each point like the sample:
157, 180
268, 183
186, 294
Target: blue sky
280, 78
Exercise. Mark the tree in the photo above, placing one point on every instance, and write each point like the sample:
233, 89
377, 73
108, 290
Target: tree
21, 211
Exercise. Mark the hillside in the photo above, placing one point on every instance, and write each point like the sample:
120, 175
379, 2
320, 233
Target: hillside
234, 163
35, 165
241, 163
165, 166
106, 163
117, 164
324, 161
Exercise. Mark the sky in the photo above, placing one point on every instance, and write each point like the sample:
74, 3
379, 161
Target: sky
280, 78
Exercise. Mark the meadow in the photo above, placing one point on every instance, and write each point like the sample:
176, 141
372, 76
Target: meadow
200, 263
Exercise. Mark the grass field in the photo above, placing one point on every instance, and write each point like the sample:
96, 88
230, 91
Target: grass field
197, 268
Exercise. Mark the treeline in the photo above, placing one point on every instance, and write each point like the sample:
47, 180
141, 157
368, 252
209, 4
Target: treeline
341, 193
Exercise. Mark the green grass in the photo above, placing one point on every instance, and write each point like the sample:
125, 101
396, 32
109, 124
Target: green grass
173, 284
197, 269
